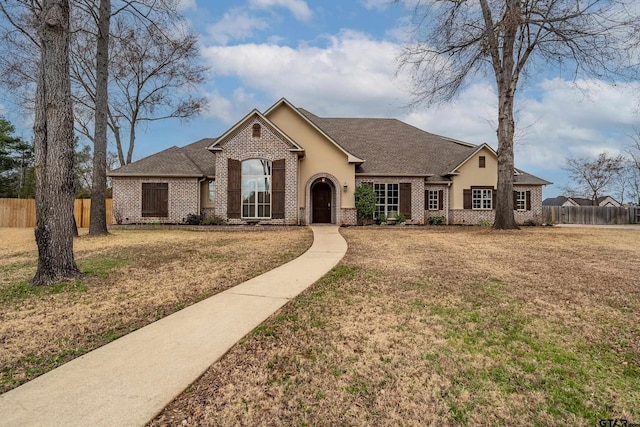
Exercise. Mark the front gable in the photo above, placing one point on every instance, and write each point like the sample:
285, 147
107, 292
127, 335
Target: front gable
323, 155
478, 169
244, 132
289, 118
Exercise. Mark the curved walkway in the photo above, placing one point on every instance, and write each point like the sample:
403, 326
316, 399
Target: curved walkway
128, 381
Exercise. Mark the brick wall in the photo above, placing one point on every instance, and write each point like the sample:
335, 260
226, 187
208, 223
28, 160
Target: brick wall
473, 217
269, 146
535, 214
349, 216
127, 199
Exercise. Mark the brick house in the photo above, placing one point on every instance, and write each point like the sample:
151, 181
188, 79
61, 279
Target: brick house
288, 166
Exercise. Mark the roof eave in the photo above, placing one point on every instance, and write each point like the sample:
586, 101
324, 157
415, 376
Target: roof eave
367, 174
159, 175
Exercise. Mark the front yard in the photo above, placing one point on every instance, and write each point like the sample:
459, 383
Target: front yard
132, 278
443, 326
425, 325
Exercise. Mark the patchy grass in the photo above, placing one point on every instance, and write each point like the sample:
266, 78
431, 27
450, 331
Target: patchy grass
131, 278
450, 326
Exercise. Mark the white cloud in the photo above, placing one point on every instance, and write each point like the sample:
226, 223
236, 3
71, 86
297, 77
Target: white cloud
298, 8
577, 119
187, 4
376, 4
235, 25
352, 73
229, 109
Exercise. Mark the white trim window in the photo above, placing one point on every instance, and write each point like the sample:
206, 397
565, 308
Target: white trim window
434, 200
482, 198
387, 199
211, 191
521, 200
256, 188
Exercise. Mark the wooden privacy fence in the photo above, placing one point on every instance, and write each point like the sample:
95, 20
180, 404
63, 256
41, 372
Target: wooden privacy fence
602, 215
22, 212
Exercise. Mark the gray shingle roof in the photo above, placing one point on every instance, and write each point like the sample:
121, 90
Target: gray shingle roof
526, 178
392, 147
193, 160
388, 147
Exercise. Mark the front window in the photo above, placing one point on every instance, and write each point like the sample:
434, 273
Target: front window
434, 202
521, 200
256, 188
211, 191
387, 197
482, 198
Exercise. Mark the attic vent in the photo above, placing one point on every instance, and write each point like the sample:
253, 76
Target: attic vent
256, 130
482, 161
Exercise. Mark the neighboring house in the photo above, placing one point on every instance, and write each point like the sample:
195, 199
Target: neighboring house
579, 201
288, 166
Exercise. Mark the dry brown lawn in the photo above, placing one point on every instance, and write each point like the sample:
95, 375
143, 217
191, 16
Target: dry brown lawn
443, 326
132, 278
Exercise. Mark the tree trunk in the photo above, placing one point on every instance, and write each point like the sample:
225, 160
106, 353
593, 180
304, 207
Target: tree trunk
132, 136
505, 219
98, 219
53, 140
506, 80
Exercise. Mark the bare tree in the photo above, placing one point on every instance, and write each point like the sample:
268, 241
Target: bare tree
453, 41
151, 78
594, 177
53, 138
154, 74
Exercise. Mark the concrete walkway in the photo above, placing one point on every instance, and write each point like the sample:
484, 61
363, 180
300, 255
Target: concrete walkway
130, 380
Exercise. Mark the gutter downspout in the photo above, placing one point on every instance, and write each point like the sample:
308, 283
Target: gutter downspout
449, 201
200, 181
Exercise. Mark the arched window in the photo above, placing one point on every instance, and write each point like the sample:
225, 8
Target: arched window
256, 188
256, 130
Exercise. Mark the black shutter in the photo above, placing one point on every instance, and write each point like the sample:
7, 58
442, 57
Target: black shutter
277, 195
155, 199
234, 188
405, 199
440, 199
528, 199
515, 200
466, 196
494, 194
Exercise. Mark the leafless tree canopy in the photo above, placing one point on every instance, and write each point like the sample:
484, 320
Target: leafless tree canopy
453, 41
153, 65
594, 177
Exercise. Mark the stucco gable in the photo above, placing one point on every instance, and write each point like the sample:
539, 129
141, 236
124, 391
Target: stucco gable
298, 115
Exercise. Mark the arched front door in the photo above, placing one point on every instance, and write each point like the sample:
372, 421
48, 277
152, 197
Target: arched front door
321, 201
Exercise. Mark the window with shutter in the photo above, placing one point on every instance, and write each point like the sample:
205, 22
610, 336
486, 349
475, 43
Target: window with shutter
256, 188
387, 196
522, 200
480, 198
155, 199
434, 200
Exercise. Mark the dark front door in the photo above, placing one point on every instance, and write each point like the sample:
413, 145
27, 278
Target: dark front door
321, 203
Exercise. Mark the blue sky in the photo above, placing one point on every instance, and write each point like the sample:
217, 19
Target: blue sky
338, 58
